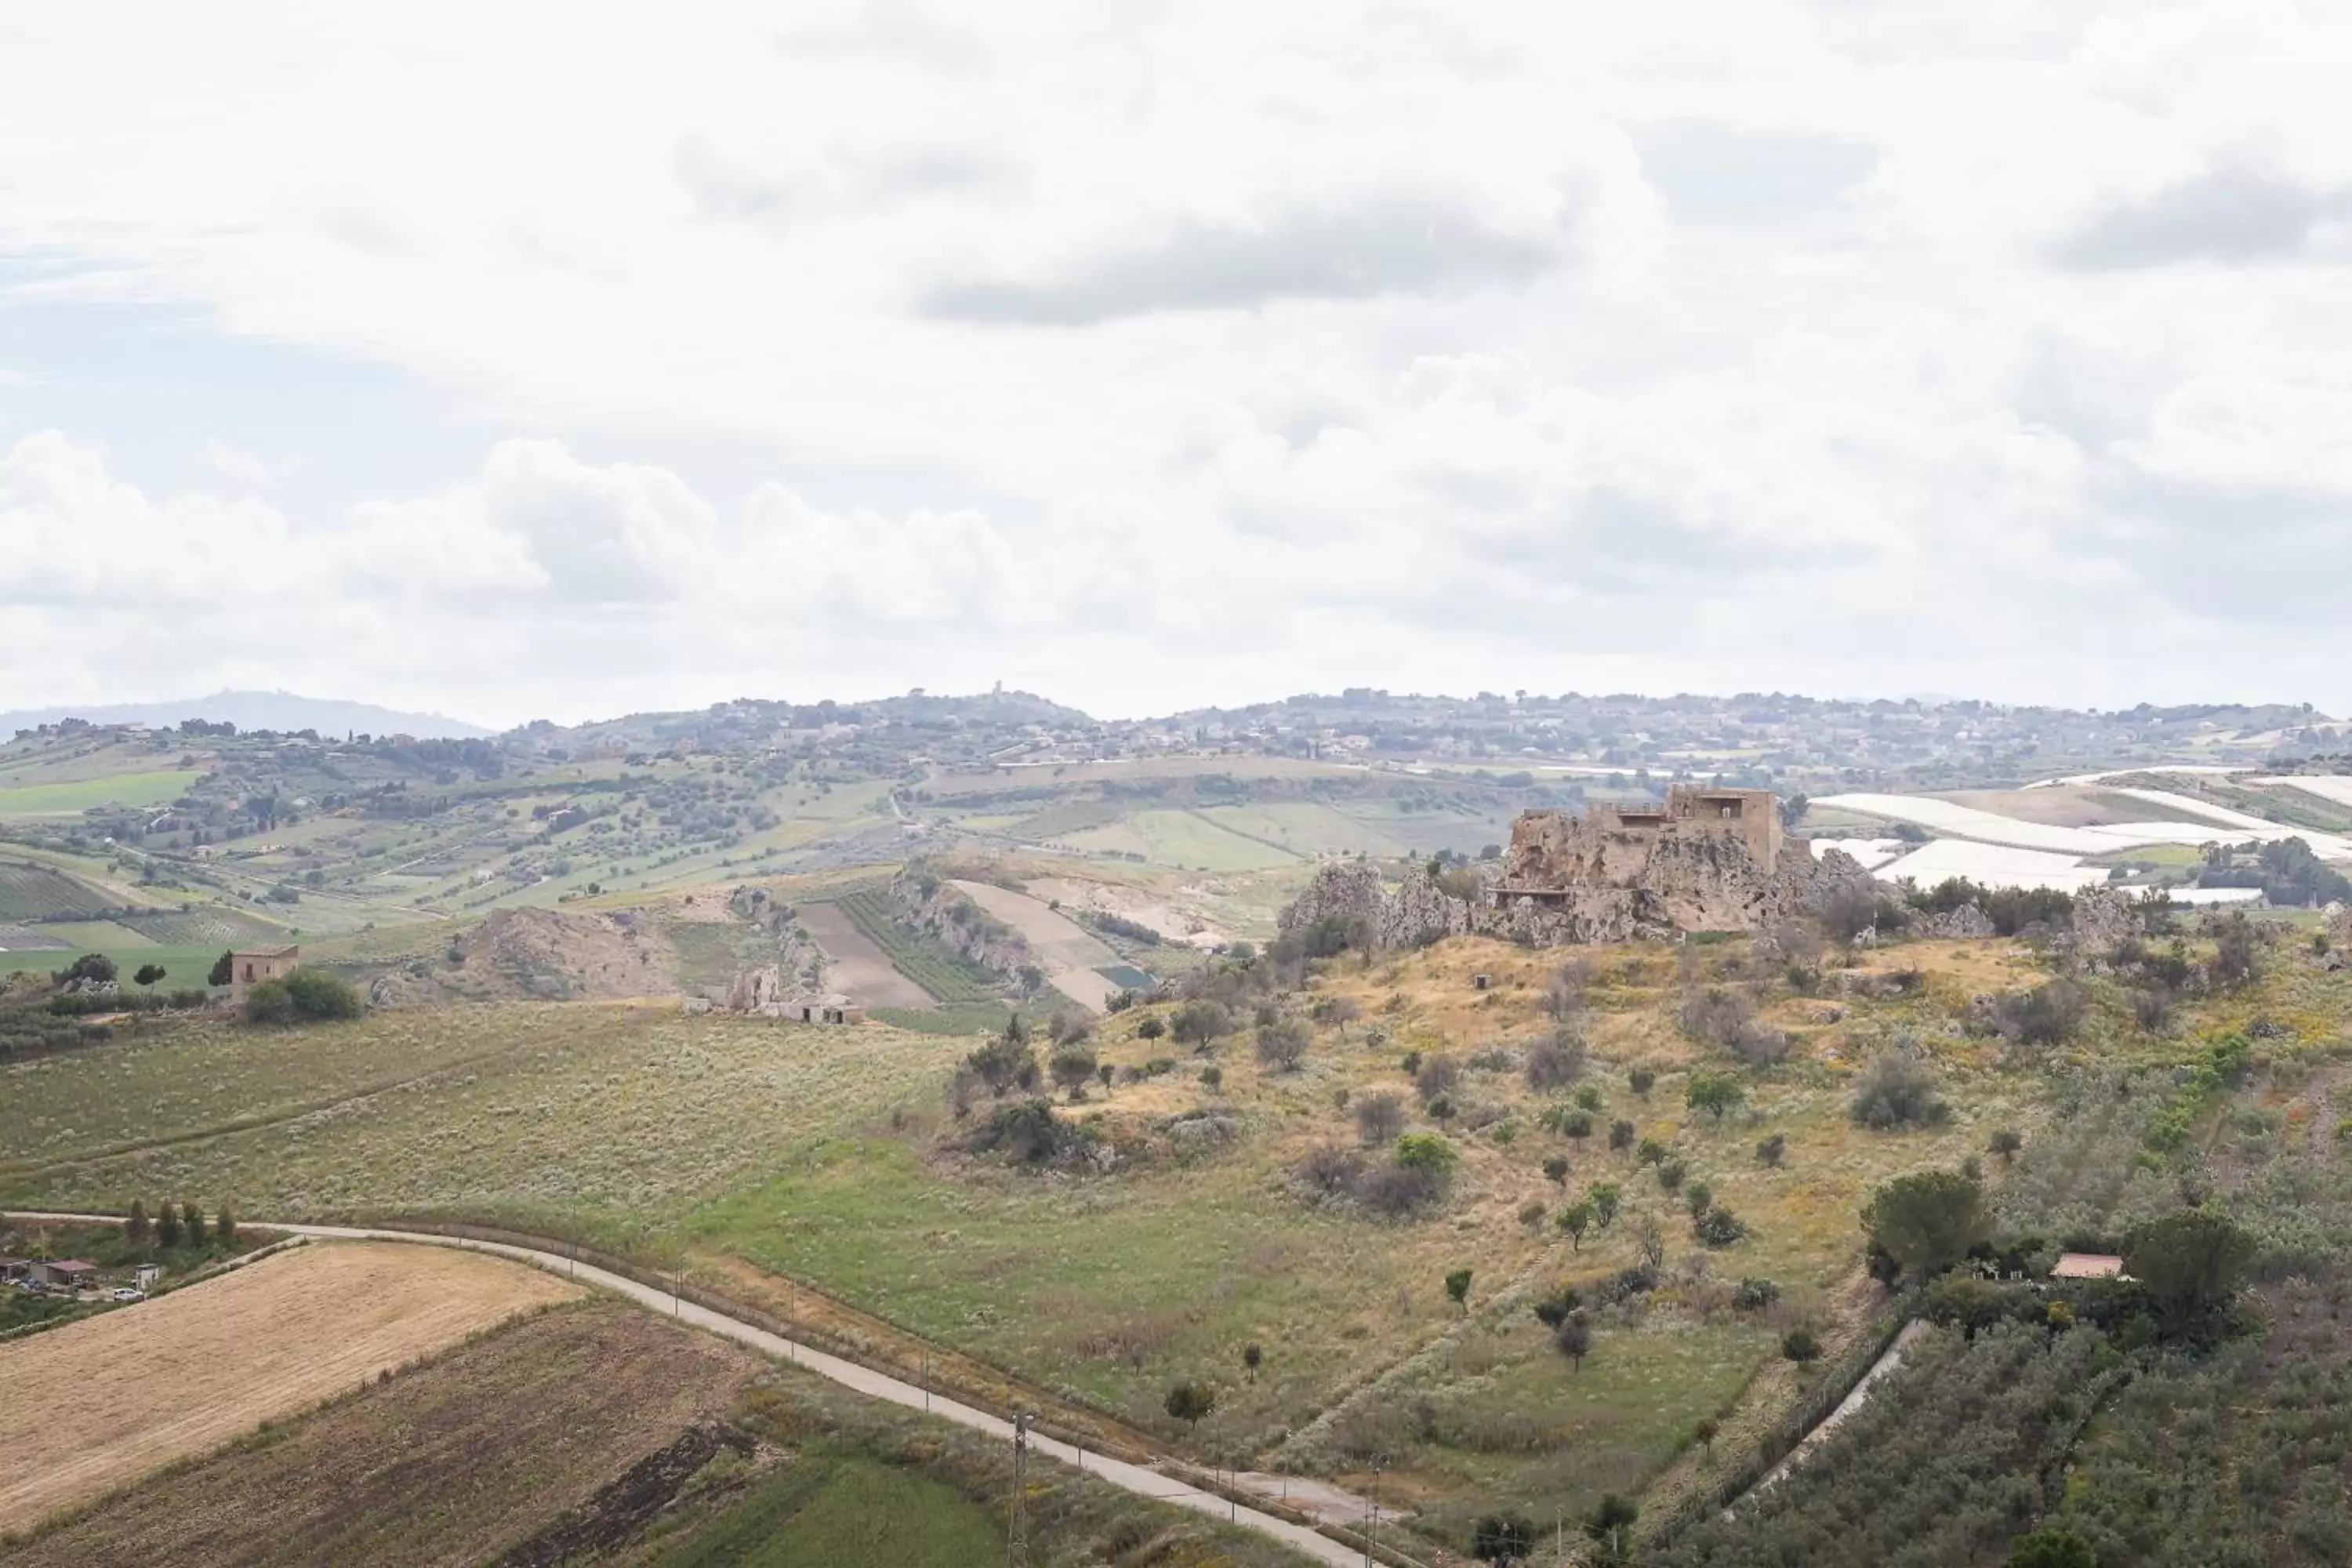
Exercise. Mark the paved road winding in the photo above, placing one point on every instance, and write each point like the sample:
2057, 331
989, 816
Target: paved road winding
1137, 1479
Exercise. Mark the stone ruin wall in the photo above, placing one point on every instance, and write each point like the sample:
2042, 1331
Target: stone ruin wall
1602, 883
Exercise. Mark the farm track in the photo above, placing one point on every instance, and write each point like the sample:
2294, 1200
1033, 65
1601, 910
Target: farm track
1139, 1479
14, 1171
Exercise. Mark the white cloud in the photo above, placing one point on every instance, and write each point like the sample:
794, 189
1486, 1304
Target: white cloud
1226, 348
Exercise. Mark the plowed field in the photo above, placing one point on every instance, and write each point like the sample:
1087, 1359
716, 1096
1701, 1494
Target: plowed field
105, 1400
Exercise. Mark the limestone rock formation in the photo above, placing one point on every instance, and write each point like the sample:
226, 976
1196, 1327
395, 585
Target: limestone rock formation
1603, 879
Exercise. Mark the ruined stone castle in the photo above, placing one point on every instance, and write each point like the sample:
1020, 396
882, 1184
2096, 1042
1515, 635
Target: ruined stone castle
1702, 859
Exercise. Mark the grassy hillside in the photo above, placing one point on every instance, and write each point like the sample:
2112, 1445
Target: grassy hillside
1195, 1223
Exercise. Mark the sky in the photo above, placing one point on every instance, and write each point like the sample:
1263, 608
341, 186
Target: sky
557, 360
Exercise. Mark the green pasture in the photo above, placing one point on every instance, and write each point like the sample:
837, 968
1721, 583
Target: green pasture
71, 797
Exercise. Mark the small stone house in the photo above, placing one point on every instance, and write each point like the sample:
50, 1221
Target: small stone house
251, 966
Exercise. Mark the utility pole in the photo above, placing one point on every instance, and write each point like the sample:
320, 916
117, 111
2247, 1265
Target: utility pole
1016, 1536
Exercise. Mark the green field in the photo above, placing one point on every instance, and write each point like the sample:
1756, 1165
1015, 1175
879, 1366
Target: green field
71, 797
1194, 840
187, 963
597, 1116
844, 1509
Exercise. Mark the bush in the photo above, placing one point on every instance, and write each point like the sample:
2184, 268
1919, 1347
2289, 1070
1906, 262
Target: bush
268, 1002
1073, 1065
1026, 1131
1727, 1018
2046, 1015
1379, 1117
1438, 1074
320, 996
1718, 1227
1283, 1046
1558, 1062
1006, 1062
1800, 1345
1716, 1092
1898, 1089
1199, 1021
1770, 1150
1754, 1294
1621, 1134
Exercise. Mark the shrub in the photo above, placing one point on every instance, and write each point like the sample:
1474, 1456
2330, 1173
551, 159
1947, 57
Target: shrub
1671, 1173
1770, 1151
1398, 1189
89, 969
1641, 1080
1006, 1062
1651, 1153
1199, 1021
1073, 1065
1149, 1027
1754, 1294
1213, 1078
1283, 1046
1531, 1213
1800, 1346
1502, 1538
1714, 1091
1439, 1075
1026, 1132
1191, 1402
1573, 1338
1379, 1117
1621, 1134
1331, 1171
2046, 1015
268, 1002
1898, 1089
2005, 1143
1425, 1152
1718, 1228
1558, 1062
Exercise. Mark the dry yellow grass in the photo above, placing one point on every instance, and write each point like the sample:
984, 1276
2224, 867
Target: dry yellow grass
101, 1402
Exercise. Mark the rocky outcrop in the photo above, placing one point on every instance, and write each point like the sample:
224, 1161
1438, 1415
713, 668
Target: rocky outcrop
2102, 918
1686, 883
1968, 921
936, 907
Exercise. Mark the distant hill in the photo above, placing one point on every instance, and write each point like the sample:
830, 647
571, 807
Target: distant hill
281, 710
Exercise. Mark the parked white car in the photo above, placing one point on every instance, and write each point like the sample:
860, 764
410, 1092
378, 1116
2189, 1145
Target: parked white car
126, 1293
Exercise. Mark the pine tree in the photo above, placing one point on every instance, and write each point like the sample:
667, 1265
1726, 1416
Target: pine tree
191, 1224
137, 1228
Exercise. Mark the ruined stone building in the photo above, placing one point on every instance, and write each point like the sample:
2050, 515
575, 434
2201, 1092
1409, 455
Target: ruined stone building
1555, 858
1702, 859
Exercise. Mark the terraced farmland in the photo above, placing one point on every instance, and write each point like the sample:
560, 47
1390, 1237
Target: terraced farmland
33, 892
940, 972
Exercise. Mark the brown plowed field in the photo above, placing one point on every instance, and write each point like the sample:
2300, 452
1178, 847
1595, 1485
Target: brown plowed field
861, 971
105, 1400
455, 1462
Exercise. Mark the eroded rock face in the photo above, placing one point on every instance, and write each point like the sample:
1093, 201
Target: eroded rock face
2102, 918
1967, 921
1678, 882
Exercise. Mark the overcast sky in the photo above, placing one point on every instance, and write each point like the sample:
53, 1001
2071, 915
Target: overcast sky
513, 361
